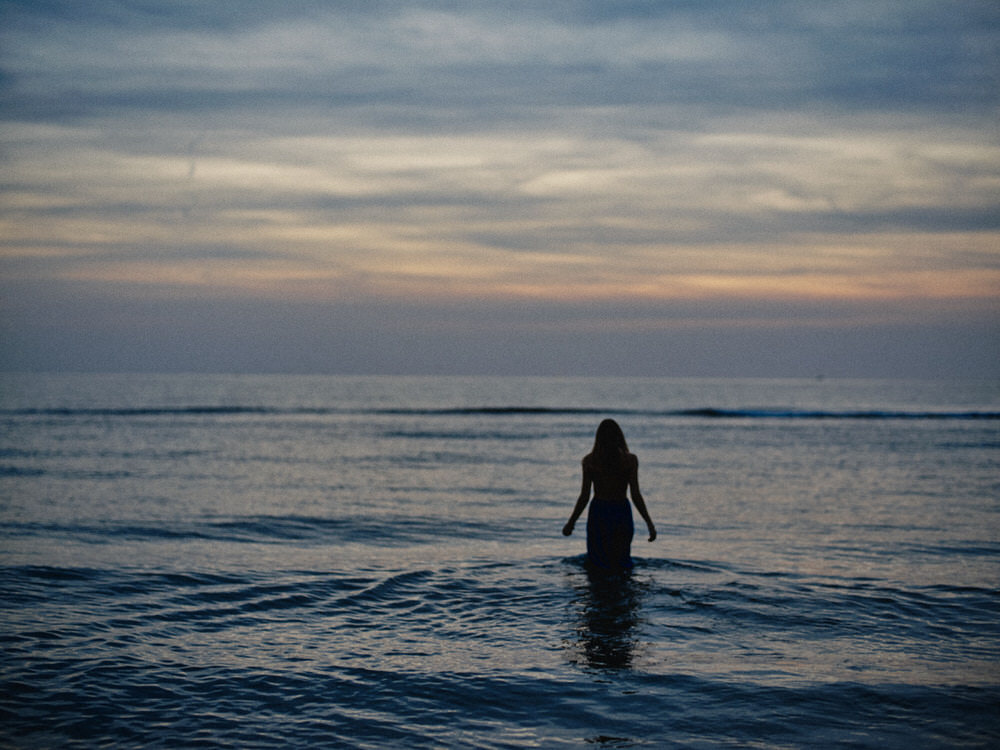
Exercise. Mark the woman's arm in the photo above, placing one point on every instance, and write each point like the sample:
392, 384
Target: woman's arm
640, 504
581, 502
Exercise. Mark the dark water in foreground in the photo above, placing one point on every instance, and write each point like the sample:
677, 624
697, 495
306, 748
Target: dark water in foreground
370, 562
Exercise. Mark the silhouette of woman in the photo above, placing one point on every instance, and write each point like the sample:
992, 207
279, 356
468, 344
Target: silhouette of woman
611, 470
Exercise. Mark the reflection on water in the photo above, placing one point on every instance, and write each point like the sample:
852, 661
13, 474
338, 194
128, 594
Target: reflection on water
609, 613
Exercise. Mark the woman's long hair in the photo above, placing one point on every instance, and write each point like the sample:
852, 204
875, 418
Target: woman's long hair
610, 449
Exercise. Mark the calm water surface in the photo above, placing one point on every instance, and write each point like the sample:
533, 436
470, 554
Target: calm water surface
280, 561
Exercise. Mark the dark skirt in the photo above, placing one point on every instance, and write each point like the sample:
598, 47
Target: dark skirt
609, 534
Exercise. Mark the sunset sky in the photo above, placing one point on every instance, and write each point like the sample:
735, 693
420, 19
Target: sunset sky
623, 187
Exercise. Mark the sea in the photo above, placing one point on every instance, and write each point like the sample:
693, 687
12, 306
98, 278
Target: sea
280, 561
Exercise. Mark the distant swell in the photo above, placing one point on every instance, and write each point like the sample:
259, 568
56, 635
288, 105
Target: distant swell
694, 413
157, 411
809, 414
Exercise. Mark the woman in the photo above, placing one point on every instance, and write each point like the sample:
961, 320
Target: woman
611, 470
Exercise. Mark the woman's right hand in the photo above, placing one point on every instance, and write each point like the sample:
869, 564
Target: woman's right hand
568, 528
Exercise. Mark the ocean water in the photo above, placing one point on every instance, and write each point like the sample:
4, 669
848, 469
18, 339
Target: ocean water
274, 561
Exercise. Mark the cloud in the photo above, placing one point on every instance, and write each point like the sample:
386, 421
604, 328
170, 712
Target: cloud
483, 56
428, 153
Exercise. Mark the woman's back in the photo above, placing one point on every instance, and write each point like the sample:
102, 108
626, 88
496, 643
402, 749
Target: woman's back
610, 478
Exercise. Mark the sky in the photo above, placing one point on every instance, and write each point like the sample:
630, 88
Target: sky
569, 187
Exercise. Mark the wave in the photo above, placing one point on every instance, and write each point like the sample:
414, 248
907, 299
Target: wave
492, 654
393, 531
708, 412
